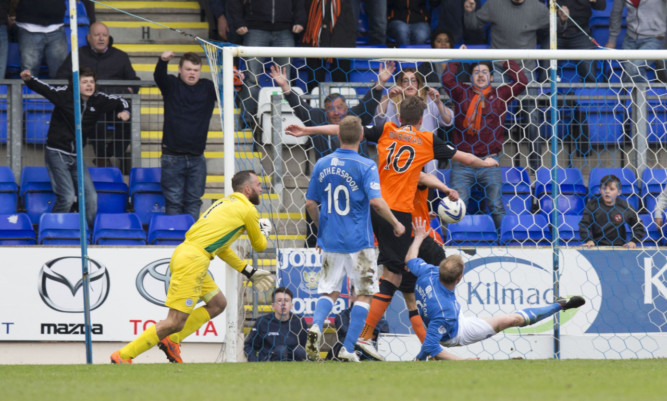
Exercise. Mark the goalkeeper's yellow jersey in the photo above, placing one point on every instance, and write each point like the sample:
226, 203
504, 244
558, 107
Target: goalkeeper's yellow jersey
222, 224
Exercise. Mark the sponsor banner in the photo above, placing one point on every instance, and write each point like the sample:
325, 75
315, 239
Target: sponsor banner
41, 291
299, 270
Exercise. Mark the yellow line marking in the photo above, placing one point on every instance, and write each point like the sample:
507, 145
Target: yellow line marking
124, 5
171, 68
170, 24
153, 48
160, 110
221, 178
262, 262
260, 308
217, 195
246, 134
208, 155
287, 216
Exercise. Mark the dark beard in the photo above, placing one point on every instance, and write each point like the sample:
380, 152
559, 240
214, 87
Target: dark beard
254, 198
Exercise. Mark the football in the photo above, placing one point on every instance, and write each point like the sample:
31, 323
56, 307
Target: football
451, 212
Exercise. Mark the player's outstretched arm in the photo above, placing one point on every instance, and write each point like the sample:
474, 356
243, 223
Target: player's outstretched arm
298, 130
473, 161
381, 207
434, 182
421, 231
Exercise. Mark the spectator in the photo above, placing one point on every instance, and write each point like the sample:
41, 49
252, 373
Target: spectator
335, 109
480, 112
342, 324
188, 106
605, 216
660, 206
431, 71
326, 28
409, 21
446, 325
646, 31
264, 23
41, 34
108, 63
4, 37
60, 153
376, 12
277, 336
409, 83
515, 25
570, 36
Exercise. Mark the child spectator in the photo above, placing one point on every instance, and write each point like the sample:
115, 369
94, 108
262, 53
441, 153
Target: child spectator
605, 216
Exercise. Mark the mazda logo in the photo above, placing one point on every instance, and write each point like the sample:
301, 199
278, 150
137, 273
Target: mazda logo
60, 281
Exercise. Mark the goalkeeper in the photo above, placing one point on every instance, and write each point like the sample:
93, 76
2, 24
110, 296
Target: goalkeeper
211, 235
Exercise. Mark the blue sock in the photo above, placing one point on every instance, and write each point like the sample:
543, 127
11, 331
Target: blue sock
357, 320
534, 315
322, 309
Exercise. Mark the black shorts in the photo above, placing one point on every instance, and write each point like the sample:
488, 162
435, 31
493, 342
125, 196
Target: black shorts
392, 249
432, 253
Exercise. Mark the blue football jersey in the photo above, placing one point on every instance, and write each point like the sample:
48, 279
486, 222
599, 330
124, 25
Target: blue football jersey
437, 306
343, 183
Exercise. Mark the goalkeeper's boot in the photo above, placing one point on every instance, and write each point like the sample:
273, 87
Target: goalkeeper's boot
345, 356
313, 343
573, 302
171, 349
368, 349
115, 358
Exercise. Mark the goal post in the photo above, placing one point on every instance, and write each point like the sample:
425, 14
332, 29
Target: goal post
584, 128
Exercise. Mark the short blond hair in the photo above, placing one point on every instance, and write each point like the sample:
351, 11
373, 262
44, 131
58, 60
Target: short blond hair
349, 130
451, 268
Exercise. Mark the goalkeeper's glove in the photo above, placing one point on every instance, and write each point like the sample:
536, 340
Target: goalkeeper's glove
262, 280
265, 227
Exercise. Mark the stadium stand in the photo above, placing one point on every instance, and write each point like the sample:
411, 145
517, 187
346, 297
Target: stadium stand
9, 191
60, 229
168, 229
118, 229
16, 229
36, 192
472, 230
112, 191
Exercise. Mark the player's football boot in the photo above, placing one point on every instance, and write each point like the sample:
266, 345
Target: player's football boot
313, 343
368, 349
115, 358
574, 302
345, 356
171, 349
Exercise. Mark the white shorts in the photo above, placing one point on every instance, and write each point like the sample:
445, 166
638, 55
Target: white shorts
360, 267
471, 330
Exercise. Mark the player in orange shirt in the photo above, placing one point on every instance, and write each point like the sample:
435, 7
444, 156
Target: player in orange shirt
403, 151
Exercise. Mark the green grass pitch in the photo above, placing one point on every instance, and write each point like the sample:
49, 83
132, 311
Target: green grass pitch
636, 380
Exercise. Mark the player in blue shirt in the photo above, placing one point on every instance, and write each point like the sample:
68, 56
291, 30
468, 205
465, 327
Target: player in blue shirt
441, 312
342, 187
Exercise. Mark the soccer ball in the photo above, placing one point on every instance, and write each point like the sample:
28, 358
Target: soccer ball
451, 212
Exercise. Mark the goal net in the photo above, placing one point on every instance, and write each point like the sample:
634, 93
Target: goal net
573, 209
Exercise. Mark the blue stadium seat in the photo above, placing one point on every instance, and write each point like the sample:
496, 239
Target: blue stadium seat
16, 229
565, 204
654, 181
570, 181
516, 194
168, 229
146, 193
37, 120
60, 229
602, 115
653, 235
36, 192
524, 229
657, 116
118, 229
472, 230
9, 191
568, 229
629, 187
112, 192
3, 117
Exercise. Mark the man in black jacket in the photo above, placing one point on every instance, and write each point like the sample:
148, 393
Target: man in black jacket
188, 107
108, 63
278, 336
60, 153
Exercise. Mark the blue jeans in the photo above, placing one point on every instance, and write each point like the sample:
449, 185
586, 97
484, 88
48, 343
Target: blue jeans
35, 45
490, 179
183, 183
585, 68
409, 34
4, 49
63, 175
635, 70
257, 37
376, 11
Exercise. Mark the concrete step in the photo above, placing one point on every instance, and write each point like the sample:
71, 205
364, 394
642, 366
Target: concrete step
150, 52
242, 138
156, 10
148, 32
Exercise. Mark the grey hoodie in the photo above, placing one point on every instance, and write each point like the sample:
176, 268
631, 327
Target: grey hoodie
646, 21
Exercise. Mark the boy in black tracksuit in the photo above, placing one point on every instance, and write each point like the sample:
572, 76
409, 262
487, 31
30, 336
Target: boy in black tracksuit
605, 216
60, 152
